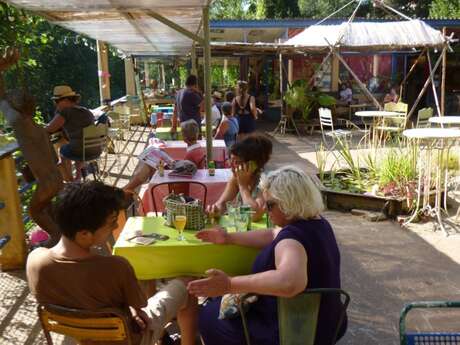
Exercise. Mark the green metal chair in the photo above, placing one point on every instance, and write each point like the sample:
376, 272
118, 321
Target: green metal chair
298, 316
427, 338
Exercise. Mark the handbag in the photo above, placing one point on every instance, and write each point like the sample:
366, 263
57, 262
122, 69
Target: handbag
196, 218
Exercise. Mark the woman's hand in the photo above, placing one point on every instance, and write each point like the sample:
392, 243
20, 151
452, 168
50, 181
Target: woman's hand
217, 235
214, 210
216, 284
243, 175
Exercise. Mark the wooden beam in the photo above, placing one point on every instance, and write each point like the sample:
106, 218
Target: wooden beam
427, 82
360, 83
435, 93
410, 72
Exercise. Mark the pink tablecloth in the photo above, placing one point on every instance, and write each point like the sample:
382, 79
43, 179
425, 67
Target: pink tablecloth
215, 184
177, 148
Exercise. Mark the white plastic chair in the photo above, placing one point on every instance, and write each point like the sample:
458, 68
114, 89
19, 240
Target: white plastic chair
327, 127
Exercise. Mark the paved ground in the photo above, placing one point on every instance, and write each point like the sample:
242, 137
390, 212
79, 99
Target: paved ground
383, 265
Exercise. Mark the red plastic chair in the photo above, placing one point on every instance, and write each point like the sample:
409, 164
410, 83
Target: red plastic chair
179, 187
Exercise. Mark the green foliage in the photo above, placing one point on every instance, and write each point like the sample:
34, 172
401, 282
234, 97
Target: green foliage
300, 96
51, 55
442, 9
281, 8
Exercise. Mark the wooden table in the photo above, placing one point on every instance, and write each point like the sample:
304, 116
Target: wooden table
215, 184
172, 258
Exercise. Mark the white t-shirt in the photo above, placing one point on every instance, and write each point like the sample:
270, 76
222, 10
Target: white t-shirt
215, 115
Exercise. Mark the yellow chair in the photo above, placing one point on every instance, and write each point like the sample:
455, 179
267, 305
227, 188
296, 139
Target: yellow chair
394, 124
99, 325
422, 117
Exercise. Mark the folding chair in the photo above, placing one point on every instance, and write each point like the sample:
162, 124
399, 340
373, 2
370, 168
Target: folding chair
422, 117
298, 317
427, 338
326, 122
179, 187
94, 137
99, 325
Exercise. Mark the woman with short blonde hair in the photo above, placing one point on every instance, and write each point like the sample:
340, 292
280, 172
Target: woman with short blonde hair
244, 109
294, 191
302, 255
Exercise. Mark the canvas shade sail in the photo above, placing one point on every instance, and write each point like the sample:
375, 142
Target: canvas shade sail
125, 24
368, 36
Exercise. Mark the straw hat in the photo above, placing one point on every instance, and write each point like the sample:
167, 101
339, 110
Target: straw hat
217, 94
62, 91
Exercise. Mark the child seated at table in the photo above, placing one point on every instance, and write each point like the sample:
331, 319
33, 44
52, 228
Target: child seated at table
195, 153
228, 128
71, 275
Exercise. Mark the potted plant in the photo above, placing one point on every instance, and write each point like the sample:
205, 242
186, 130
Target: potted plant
305, 99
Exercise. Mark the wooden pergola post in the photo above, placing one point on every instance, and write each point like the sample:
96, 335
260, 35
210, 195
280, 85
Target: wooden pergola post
129, 77
103, 71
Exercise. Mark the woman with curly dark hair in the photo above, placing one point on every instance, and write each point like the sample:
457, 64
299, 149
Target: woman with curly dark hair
248, 158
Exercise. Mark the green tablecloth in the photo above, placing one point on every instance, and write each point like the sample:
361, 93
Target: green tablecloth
164, 133
172, 258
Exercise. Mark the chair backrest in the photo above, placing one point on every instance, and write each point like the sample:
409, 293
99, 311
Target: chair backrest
423, 116
98, 325
432, 336
298, 316
390, 106
179, 187
325, 118
401, 107
94, 136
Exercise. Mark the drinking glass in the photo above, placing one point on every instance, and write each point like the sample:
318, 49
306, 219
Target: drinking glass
241, 221
180, 219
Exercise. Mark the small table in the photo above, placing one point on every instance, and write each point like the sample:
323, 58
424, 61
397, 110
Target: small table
177, 148
445, 120
215, 184
434, 146
172, 258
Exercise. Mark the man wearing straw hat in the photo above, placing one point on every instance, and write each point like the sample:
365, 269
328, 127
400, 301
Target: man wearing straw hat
71, 118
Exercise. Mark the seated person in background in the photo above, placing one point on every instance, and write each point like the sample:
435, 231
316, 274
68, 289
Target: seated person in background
216, 110
302, 255
345, 94
228, 128
72, 118
195, 153
248, 158
71, 275
229, 96
391, 96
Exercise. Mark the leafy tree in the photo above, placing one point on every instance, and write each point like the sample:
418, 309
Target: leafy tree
281, 8
445, 9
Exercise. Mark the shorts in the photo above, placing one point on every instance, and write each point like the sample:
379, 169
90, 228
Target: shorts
66, 151
162, 307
